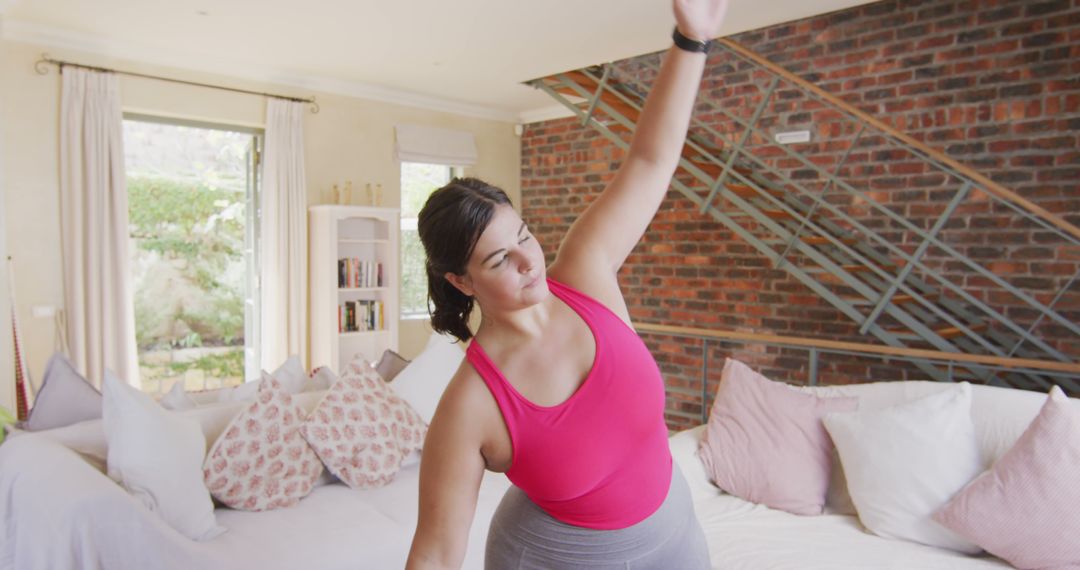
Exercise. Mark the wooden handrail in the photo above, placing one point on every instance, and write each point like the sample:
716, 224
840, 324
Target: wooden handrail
979, 179
1026, 363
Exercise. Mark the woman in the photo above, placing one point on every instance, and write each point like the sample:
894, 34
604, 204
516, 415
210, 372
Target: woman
557, 390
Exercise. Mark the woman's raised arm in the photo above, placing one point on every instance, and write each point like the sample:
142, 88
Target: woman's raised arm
602, 238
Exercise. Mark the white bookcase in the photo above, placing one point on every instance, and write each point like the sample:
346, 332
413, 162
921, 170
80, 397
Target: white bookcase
370, 236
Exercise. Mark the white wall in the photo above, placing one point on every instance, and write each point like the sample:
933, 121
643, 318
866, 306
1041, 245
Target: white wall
349, 139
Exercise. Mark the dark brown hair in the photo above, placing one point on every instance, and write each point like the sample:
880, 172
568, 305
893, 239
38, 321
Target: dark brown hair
450, 223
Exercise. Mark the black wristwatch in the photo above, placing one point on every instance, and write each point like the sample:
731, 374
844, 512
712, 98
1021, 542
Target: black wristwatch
684, 43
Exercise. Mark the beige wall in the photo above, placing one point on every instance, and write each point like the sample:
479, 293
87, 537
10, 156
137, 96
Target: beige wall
349, 139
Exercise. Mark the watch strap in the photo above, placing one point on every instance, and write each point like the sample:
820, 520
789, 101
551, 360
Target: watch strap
684, 43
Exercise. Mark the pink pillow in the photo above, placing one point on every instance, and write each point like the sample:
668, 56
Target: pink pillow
362, 430
260, 462
1023, 509
765, 441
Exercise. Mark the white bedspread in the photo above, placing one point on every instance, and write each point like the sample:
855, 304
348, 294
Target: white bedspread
59, 511
745, 536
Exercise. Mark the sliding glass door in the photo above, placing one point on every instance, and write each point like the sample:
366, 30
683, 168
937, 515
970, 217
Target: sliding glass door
193, 216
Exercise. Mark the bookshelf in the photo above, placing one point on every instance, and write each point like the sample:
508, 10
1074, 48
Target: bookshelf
353, 283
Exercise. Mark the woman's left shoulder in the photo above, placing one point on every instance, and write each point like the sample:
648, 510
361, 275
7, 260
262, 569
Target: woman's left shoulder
603, 288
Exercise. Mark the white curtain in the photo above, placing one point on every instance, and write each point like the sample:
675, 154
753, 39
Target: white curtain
94, 216
283, 236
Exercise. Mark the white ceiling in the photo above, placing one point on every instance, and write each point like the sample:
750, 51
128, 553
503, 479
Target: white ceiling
463, 56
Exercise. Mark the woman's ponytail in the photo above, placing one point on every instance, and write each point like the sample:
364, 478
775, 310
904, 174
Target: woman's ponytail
450, 308
449, 224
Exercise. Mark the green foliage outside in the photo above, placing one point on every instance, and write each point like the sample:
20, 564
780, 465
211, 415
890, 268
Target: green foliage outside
418, 181
187, 210
413, 274
226, 365
6, 418
196, 233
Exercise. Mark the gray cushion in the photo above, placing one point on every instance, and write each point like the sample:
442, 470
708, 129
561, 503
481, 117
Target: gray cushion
65, 397
390, 364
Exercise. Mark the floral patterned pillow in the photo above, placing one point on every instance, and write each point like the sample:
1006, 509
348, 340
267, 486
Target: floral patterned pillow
260, 462
362, 430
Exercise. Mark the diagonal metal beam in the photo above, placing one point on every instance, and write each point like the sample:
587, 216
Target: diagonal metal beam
1057, 298
720, 180
596, 97
886, 298
825, 190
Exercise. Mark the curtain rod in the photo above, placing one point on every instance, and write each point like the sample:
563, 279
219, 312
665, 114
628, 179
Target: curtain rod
41, 67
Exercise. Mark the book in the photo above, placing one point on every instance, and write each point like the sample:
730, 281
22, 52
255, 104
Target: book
361, 315
355, 273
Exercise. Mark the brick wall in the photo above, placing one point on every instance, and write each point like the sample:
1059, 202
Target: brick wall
995, 85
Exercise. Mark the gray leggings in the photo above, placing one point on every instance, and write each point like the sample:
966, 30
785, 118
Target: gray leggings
524, 537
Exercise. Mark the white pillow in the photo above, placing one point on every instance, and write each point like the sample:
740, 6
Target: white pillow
291, 375
243, 393
321, 379
65, 397
157, 456
903, 463
684, 451
177, 399
423, 381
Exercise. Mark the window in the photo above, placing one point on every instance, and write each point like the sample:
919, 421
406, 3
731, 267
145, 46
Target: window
418, 181
192, 191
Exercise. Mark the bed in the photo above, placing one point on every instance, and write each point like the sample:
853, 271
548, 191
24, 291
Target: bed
60, 510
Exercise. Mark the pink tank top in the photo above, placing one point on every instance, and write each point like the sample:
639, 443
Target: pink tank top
601, 458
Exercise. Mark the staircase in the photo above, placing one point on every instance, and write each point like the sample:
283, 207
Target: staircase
827, 213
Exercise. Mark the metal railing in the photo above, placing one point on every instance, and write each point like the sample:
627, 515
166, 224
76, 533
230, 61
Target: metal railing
820, 353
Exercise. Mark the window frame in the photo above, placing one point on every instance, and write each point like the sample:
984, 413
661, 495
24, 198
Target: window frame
252, 230
410, 224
